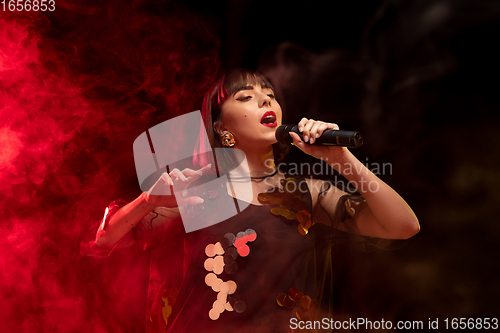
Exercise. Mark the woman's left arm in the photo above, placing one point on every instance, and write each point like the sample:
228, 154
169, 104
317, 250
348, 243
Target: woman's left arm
387, 215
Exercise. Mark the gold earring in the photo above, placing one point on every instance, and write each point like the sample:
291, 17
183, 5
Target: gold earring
228, 139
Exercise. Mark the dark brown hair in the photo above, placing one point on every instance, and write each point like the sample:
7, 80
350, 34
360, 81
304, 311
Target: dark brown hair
211, 111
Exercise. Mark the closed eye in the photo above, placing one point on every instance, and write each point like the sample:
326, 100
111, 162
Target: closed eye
244, 98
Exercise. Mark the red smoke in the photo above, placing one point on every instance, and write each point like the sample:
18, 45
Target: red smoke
76, 88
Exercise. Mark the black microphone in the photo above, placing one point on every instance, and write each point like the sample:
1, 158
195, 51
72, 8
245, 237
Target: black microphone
329, 137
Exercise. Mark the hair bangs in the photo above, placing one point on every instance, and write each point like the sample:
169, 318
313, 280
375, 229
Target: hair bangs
237, 80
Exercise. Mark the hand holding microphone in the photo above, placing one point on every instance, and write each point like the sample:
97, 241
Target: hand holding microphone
320, 133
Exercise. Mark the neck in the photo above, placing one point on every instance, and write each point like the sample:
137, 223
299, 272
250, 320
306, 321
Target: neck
260, 161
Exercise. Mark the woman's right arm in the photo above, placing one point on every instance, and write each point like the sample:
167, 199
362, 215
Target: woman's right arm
161, 194
123, 221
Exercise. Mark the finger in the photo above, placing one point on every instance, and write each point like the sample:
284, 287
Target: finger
297, 140
319, 127
206, 168
314, 131
191, 173
306, 148
195, 174
302, 123
163, 186
178, 174
332, 126
190, 201
322, 127
316, 151
166, 178
307, 130
198, 172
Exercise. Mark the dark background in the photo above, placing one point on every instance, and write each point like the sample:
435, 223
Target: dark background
419, 78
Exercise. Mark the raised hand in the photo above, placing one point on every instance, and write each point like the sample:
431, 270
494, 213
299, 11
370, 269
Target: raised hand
162, 192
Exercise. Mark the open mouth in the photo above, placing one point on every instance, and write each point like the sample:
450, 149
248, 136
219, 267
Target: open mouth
269, 119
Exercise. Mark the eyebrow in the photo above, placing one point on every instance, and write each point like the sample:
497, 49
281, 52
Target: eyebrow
243, 88
251, 88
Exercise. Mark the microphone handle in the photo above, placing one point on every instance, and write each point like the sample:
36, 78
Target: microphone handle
350, 139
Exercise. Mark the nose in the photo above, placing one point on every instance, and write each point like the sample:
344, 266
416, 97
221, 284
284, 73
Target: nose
266, 100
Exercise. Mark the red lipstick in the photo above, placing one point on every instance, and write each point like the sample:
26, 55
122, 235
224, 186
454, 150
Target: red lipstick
269, 119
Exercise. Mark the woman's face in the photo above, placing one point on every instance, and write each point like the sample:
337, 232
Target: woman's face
252, 114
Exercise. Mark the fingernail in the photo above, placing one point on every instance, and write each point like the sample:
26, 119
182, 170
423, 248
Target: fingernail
317, 135
167, 179
306, 138
301, 129
311, 141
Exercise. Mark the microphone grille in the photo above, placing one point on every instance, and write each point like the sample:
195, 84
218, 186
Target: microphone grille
282, 135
